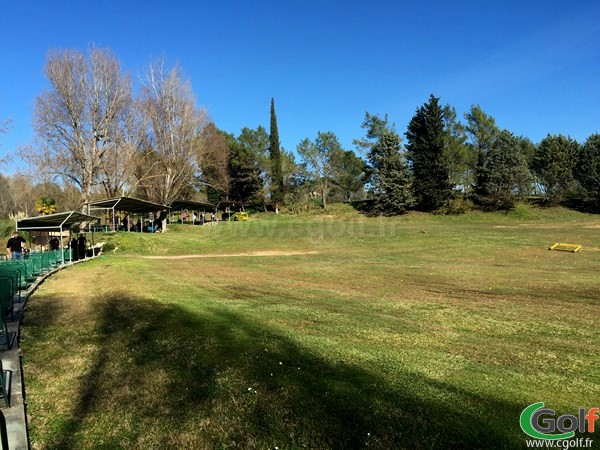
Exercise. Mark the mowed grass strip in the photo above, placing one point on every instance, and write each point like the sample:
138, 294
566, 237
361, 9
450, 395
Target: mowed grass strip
385, 338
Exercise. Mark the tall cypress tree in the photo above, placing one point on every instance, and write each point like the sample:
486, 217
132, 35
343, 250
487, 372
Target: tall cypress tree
277, 189
425, 135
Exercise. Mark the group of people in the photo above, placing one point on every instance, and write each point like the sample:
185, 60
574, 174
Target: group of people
78, 247
153, 224
195, 219
16, 247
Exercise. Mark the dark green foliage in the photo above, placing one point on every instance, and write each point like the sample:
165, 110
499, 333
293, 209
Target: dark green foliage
527, 149
431, 179
502, 175
348, 174
375, 127
328, 165
481, 128
482, 131
246, 165
554, 161
277, 187
389, 176
588, 171
213, 195
460, 157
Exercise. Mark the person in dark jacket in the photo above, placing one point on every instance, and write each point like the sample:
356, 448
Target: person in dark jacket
15, 246
74, 250
81, 246
54, 243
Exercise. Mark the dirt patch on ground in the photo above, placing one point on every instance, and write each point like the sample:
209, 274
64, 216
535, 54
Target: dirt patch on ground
235, 255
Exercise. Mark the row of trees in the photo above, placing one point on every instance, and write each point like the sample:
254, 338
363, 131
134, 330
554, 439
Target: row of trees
21, 196
446, 162
93, 133
96, 138
445, 165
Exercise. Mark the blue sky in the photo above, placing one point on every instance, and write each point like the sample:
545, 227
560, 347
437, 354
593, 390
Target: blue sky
533, 65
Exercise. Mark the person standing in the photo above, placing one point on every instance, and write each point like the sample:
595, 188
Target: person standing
15, 246
74, 249
54, 243
81, 246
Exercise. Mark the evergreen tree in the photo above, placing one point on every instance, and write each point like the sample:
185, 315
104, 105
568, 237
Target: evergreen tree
247, 165
390, 178
460, 157
375, 127
277, 187
483, 132
502, 175
588, 171
554, 161
386, 172
431, 184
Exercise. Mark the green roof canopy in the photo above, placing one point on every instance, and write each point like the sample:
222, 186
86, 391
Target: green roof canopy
127, 204
231, 204
58, 221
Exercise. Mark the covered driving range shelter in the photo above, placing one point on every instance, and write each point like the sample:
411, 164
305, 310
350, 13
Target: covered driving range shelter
127, 205
59, 222
191, 205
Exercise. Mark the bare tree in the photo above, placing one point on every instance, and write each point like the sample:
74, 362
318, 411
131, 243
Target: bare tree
23, 194
173, 123
7, 201
80, 120
4, 128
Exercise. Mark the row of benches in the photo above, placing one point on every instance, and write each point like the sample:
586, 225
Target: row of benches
15, 277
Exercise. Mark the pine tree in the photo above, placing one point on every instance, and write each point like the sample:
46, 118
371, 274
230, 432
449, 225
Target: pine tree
502, 174
554, 161
426, 135
389, 175
588, 171
277, 188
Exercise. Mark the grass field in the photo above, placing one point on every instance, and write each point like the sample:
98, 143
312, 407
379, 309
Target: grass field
346, 332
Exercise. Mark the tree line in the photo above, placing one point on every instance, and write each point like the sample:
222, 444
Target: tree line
447, 165
96, 139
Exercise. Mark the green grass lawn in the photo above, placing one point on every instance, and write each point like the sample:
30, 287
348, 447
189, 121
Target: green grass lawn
371, 334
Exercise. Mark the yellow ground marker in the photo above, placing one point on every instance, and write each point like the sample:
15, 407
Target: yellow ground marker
566, 247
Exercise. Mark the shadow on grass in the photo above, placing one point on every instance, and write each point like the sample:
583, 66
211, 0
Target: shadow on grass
170, 377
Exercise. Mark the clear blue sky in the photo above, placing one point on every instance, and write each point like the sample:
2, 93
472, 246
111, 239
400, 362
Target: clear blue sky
534, 65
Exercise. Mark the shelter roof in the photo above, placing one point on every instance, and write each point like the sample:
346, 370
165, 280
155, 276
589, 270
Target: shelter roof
54, 221
230, 204
127, 204
190, 204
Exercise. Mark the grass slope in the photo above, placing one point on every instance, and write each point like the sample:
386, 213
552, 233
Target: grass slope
386, 338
